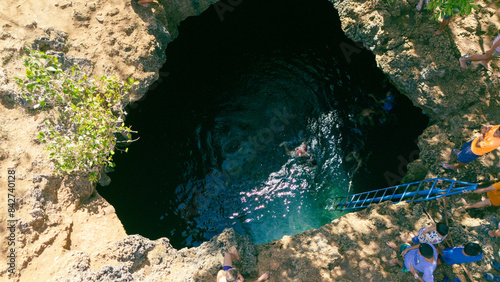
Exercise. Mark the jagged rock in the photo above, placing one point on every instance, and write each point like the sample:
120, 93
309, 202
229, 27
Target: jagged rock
113, 12
58, 218
105, 180
81, 16
56, 40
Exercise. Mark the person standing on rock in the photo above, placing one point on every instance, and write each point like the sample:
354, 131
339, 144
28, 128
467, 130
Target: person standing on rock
488, 141
484, 59
229, 274
493, 194
447, 19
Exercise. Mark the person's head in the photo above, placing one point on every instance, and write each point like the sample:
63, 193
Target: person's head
442, 229
426, 250
231, 275
472, 249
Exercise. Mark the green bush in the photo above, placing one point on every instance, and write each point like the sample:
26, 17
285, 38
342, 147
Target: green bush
451, 7
81, 137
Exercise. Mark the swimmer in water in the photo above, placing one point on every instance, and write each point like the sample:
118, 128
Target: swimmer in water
300, 151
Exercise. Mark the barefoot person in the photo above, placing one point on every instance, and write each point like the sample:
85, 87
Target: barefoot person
493, 194
447, 19
229, 274
421, 258
484, 59
488, 141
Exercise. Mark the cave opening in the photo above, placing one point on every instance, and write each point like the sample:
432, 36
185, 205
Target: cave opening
241, 85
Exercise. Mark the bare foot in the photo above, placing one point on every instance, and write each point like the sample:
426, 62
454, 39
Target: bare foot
438, 32
234, 252
463, 65
391, 244
264, 276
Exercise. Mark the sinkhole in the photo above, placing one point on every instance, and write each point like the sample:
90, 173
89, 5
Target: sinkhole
241, 87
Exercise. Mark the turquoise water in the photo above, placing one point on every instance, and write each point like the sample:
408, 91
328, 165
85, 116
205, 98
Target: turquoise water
209, 154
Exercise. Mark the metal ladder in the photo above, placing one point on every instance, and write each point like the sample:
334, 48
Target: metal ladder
424, 190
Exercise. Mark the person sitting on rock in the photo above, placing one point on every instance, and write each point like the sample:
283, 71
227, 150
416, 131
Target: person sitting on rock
484, 59
471, 252
493, 194
421, 258
488, 141
230, 274
434, 234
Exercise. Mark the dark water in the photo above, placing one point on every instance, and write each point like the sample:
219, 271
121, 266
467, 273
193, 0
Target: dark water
233, 90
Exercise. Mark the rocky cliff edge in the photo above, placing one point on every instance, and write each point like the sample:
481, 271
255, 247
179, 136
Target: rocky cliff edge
66, 232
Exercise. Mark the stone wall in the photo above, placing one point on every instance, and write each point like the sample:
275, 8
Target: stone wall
67, 232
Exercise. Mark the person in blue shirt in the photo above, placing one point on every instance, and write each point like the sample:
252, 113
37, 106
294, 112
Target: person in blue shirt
421, 258
471, 252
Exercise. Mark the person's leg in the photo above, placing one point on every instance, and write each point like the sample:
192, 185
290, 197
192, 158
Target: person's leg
484, 59
263, 277
393, 262
419, 5
283, 144
481, 204
494, 233
230, 256
444, 23
453, 166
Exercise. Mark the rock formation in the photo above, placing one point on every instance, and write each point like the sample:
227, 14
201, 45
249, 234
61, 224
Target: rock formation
66, 232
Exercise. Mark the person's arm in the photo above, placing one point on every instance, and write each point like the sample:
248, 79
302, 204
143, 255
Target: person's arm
493, 47
484, 130
429, 229
240, 278
403, 253
482, 190
415, 273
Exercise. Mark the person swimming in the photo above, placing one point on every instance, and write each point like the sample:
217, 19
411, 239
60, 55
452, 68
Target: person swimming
300, 151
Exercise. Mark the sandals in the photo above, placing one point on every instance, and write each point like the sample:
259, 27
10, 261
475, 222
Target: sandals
446, 166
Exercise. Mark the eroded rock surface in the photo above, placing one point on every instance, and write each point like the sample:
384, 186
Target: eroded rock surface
67, 232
